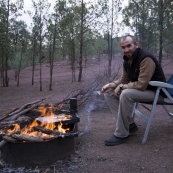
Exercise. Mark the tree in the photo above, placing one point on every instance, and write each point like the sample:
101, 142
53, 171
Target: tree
20, 40
150, 20
39, 18
111, 12
9, 11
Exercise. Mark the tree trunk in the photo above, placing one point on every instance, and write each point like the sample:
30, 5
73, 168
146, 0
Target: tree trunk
6, 82
19, 69
33, 62
160, 30
81, 46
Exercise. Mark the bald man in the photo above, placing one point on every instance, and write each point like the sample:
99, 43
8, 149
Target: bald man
139, 68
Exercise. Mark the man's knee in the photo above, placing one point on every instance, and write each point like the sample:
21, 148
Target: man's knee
127, 94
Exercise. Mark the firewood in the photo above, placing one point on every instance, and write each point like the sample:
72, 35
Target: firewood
17, 112
46, 131
26, 105
15, 116
22, 137
8, 114
57, 134
4, 142
8, 138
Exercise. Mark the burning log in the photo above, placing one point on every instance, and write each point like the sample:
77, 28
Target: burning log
47, 131
21, 137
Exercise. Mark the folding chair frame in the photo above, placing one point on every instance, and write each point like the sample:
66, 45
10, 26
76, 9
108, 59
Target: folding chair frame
148, 120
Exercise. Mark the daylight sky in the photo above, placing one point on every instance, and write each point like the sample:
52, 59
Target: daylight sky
28, 7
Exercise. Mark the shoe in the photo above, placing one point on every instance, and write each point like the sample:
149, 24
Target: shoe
113, 140
133, 128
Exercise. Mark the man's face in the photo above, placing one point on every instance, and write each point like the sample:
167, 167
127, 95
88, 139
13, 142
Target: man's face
128, 47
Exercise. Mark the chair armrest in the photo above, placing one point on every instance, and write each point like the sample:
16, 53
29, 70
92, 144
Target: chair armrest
160, 84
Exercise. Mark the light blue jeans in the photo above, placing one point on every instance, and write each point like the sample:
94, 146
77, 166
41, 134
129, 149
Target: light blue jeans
122, 107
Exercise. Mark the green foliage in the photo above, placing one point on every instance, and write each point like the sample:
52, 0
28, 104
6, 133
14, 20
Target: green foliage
14, 62
152, 23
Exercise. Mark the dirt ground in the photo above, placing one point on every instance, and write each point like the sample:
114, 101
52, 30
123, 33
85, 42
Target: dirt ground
96, 124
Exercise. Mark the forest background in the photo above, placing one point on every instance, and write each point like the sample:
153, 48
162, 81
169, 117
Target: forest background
72, 50
78, 31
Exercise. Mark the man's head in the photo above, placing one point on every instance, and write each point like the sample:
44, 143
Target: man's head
128, 45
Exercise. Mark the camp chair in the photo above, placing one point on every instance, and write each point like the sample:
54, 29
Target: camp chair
168, 90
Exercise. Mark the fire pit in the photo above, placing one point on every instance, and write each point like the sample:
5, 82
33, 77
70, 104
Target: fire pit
42, 141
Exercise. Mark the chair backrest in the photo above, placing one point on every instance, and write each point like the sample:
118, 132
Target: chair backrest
170, 81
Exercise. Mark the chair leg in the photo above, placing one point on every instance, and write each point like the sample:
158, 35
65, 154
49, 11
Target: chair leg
144, 140
134, 108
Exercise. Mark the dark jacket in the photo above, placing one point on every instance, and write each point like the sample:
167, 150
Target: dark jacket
133, 69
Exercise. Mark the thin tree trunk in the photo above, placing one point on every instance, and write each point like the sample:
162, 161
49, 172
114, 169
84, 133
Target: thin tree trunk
7, 51
53, 54
81, 46
160, 30
33, 62
19, 69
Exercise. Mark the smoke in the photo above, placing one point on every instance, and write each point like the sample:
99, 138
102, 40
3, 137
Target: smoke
88, 109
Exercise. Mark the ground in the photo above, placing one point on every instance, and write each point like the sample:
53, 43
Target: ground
96, 124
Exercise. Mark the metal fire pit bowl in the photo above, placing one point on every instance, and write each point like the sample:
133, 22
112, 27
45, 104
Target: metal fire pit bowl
30, 154
38, 153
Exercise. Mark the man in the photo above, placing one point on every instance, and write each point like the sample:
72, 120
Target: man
139, 68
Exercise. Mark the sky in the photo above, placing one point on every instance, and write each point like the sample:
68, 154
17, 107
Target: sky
28, 7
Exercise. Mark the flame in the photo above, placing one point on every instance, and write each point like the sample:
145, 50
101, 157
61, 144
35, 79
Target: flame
61, 130
28, 129
46, 111
16, 128
48, 124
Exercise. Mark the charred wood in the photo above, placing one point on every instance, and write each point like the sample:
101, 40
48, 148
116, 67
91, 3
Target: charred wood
8, 138
46, 131
21, 137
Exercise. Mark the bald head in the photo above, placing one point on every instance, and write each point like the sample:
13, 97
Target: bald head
128, 45
129, 37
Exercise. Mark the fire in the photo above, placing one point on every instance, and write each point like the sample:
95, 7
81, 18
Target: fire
47, 123
46, 112
60, 129
28, 129
16, 128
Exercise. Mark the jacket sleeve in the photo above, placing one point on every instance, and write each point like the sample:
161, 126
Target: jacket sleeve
124, 79
147, 68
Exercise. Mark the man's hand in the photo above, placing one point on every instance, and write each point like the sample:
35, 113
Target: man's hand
117, 91
105, 88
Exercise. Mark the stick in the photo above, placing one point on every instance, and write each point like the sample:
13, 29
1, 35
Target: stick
8, 114
23, 112
26, 105
4, 142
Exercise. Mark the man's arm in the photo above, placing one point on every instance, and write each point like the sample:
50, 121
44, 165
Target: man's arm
123, 79
147, 68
